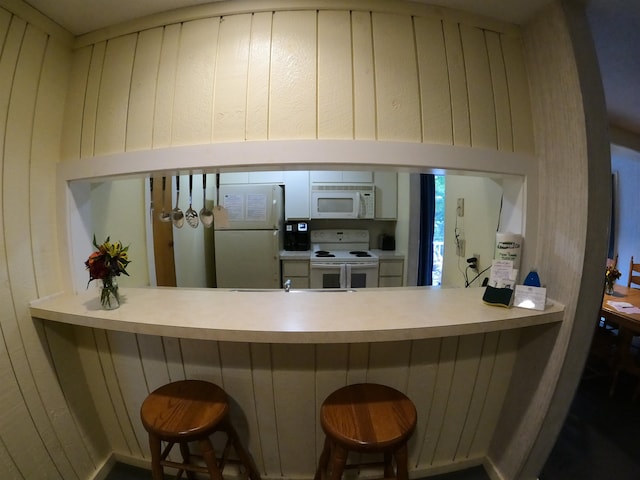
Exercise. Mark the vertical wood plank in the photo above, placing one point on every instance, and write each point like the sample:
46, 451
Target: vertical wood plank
364, 94
462, 385
335, 80
442, 388
457, 84
258, 77
331, 374
173, 353
396, 76
75, 104
154, 363
519, 97
238, 383
434, 81
389, 364
87, 140
116, 394
113, 99
292, 105
231, 77
100, 396
479, 88
480, 390
500, 92
144, 77
294, 378
421, 387
193, 101
262, 370
201, 360
358, 363
165, 86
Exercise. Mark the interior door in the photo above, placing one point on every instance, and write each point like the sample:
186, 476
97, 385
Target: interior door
163, 235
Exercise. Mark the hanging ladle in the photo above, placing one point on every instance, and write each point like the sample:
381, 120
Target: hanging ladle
164, 215
176, 214
206, 215
191, 214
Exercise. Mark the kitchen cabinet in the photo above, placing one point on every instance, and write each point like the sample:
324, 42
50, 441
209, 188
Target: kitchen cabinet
339, 176
390, 272
296, 195
296, 270
236, 178
386, 184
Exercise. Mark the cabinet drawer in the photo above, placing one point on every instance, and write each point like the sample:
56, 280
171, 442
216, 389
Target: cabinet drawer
391, 268
390, 282
295, 269
299, 282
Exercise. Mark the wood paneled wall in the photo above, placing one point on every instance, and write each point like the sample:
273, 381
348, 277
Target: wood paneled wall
303, 74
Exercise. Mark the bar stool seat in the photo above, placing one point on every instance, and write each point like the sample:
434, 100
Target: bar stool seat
366, 418
190, 411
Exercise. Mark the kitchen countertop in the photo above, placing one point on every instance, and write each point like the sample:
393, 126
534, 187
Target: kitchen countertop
299, 316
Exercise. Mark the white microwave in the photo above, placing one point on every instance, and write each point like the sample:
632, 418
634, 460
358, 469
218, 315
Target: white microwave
343, 200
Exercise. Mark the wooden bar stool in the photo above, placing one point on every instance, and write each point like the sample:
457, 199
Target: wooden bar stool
366, 418
190, 411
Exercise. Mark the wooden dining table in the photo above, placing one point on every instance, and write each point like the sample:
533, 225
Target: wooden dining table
628, 325
627, 321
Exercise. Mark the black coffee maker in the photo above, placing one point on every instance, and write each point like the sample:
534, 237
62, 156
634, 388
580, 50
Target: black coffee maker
296, 236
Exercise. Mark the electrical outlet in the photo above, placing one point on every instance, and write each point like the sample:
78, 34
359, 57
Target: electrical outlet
477, 264
460, 207
460, 247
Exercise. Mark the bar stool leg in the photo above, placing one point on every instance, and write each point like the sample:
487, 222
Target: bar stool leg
186, 455
209, 456
338, 461
402, 460
324, 459
388, 466
155, 446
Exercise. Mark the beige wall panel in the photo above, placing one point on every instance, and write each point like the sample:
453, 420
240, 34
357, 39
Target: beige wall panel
193, 101
139, 122
165, 87
397, 95
5, 19
45, 144
8, 61
501, 102
292, 104
230, 89
173, 353
423, 370
127, 364
75, 104
237, 380
201, 360
441, 390
331, 374
480, 390
100, 397
358, 363
30, 362
294, 377
434, 81
518, 84
113, 99
90, 111
115, 393
364, 92
269, 461
457, 84
388, 362
258, 77
460, 395
154, 362
500, 377
335, 79
479, 87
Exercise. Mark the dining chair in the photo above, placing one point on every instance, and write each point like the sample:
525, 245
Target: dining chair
634, 275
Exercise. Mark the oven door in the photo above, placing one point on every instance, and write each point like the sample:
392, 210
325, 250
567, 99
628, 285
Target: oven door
343, 275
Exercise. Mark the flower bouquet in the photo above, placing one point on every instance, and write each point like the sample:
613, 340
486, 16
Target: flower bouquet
610, 276
107, 262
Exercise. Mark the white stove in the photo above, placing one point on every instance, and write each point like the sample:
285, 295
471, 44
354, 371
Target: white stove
341, 259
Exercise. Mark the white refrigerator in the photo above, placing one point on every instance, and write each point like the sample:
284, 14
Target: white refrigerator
247, 250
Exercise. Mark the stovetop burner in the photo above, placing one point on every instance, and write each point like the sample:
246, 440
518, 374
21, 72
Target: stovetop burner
360, 253
324, 253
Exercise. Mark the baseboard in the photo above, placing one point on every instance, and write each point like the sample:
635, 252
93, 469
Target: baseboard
103, 470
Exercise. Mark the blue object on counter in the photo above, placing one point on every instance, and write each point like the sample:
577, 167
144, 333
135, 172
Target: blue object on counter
532, 280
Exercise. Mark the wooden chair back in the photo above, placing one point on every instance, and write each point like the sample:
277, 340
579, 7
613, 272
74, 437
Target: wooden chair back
634, 274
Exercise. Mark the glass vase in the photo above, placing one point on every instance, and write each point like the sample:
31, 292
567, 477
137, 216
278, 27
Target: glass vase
608, 288
109, 295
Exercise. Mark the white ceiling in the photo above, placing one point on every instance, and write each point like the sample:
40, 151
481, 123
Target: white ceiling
615, 25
